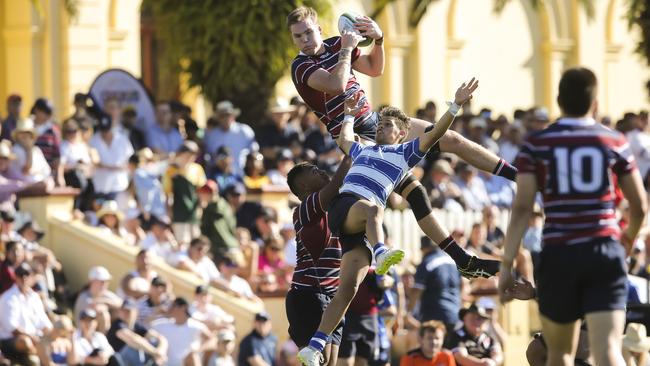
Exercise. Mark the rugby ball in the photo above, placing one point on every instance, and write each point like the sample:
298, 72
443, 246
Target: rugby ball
346, 21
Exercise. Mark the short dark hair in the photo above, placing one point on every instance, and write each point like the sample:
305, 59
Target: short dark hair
432, 326
403, 121
577, 91
293, 175
200, 241
301, 14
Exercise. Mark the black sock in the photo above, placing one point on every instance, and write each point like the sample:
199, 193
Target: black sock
458, 254
504, 169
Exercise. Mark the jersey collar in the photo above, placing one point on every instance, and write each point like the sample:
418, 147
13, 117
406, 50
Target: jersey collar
570, 121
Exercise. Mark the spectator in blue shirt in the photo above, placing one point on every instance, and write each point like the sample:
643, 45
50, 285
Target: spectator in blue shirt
163, 137
148, 188
221, 169
437, 286
224, 130
258, 347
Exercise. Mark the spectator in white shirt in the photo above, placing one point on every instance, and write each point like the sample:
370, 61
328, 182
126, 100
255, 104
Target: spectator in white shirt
110, 221
29, 161
213, 316
639, 140
224, 130
512, 141
142, 271
111, 178
472, 188
156, 304
91, 346
187, 337
195, 260
234, 284
160, 240
225, 349
97, 297
23, 321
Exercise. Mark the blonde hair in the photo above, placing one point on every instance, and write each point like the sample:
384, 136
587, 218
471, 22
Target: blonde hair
301, 14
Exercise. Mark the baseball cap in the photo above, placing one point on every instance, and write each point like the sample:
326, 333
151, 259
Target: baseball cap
189, 147
23, 269
88, 314
222, 152
201, 289
99, 273
181, 301
209, 187
226, 335
237, 189
44, 105
480, 311
262, 316
159, 220
284, 155
486, 303
158, 281
540, 114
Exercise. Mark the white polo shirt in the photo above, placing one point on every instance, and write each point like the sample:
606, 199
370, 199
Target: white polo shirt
182, 338
117, 154
40, 169
22, 311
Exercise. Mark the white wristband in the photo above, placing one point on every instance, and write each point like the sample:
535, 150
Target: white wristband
453, 108
348, 118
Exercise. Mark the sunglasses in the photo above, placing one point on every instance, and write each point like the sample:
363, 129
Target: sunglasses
275, 249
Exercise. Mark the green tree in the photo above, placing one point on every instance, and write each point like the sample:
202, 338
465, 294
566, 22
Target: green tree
638, 14
232, 49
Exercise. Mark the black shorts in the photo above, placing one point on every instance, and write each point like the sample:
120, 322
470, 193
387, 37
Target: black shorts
8, 349
575, 280
359, 337
304, 311
336, 215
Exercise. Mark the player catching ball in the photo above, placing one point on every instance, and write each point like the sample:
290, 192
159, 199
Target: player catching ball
323, 76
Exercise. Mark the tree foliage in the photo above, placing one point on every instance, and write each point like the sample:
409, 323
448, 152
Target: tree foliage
638, 14
231, 49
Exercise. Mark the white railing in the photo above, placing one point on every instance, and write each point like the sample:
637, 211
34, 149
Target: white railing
405, 232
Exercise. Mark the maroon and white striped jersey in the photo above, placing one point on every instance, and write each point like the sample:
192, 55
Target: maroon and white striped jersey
328, 108
575, 161
318, 253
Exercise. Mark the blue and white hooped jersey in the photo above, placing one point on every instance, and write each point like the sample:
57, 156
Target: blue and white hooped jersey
376, 169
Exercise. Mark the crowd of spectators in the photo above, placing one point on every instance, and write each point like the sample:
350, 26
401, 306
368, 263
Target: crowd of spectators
179, 192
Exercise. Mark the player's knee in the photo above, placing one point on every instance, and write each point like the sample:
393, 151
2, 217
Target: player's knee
419, 201
373, 212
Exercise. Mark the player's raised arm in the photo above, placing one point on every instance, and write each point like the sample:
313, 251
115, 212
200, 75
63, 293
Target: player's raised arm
336, 81
371, 64
346, 137
332, 188
463, 94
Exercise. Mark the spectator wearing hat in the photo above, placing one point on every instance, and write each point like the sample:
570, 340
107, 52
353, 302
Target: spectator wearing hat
271, 261
472, 188
163, 137
471, 345
212, 315
431, 336
266, 225
90, 345
76, 162
156, 304
23, 323
437, 286
218, 222
97, 297
29, 161
149, 191
48, 135
258, 347
224, 130
222, 170
195, 260
14, 256
277, 133
444, 193
111, 219
180, 182
229, 266
254, 172
494, 328
14, 105
137, 344
284, 163
188, 337
245, 211
142, 272
160, 240
111, 178
477, 132
223, 356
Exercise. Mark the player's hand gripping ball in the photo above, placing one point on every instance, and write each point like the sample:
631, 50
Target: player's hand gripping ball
347, 21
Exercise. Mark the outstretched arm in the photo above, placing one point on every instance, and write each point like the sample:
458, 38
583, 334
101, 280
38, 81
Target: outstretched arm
371, 64
346, 137
463, 94
335, 82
